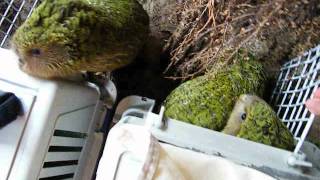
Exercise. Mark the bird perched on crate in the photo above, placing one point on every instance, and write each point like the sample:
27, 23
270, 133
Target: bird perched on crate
65, 37
208, 100
253, 119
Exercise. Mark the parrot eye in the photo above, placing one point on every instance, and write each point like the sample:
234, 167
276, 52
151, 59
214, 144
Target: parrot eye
243, 116
35, 52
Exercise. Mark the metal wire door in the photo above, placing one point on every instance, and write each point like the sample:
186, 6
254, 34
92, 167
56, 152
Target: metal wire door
12, 14
297, 81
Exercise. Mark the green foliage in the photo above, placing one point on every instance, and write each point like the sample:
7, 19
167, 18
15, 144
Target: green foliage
208, 100
262, 125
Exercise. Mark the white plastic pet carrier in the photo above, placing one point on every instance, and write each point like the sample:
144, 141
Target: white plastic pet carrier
56, 134
298, 79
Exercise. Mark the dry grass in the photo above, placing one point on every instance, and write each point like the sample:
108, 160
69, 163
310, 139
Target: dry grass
211, 32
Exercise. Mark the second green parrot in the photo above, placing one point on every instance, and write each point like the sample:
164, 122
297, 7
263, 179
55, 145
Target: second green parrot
253, 119
208, 100
217, 102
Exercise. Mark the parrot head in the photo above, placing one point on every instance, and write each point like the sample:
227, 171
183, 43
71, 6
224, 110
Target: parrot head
42, 60
239, 113
45, 42
253, 119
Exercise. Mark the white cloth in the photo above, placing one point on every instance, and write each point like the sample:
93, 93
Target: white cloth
131, 152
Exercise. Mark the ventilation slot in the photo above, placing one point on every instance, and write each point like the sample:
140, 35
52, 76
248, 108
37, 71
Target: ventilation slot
65, 176
66, 144
63, 155
71, 134
64, 149
59, 163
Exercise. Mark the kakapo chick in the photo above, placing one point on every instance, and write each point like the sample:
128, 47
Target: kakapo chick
65, 37
253, 119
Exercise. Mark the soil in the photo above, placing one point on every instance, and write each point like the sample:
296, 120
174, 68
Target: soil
144, 78
163, 21
314, 133
210, 33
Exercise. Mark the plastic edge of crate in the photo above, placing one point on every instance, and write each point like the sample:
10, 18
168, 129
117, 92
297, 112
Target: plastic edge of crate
251, 154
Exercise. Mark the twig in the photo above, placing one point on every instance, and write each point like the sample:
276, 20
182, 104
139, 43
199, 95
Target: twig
255, 32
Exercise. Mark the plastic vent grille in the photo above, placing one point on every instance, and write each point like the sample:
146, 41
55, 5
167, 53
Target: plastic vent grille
297, 81
12, 14
66, 145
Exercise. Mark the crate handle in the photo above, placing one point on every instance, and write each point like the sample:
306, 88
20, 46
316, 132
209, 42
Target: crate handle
298, 159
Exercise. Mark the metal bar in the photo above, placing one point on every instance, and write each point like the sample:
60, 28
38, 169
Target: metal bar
6, 12
33, 7
15, 10
11, 25
298, 78
305, 84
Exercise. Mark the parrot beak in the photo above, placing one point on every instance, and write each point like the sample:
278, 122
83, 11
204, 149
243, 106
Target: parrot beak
249, 98
244, 97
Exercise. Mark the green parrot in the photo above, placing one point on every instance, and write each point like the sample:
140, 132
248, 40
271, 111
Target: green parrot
66, 37
208, 100
253, 119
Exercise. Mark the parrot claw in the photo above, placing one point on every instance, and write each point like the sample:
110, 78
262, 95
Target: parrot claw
107, 89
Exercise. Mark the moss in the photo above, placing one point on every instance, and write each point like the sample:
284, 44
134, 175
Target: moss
317, 143
208, 100
262, 125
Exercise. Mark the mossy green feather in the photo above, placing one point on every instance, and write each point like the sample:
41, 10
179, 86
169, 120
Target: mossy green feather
262, 125
87, 30
208, 100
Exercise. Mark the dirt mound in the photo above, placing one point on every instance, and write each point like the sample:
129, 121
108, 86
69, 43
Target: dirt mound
211, 32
